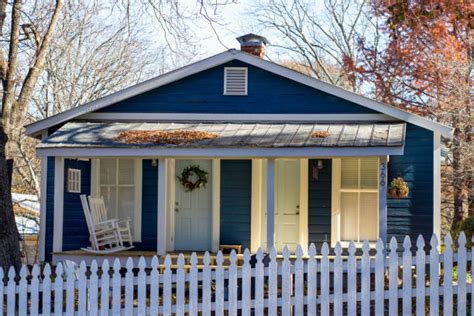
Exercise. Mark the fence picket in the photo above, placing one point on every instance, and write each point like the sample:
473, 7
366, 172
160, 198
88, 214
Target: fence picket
105, 288
206, 285
393, 279
461, 301
273, 283
407, 275
299, 282
167, 287
22, 291
312, 280
434, 276
325, 280
11, 293
286, 285
141, 286
180, 286
58, 290
246, 284
193, 286
365, 279
448, 276
420, 276
154, 286
380, 278
233, 284
259, 276
129, 287
94, 289
34, 296
116, 288
70, 289
46, 306
82, 289
351, 280
338, 271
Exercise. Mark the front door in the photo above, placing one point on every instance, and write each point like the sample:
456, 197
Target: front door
193, 210
287, 204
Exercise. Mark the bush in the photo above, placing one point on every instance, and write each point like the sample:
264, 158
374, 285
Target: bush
467, 226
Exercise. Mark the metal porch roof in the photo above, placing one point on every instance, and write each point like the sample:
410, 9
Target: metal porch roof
233, 135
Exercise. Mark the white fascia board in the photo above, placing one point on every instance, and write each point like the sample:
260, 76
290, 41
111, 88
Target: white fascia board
213, 61
446, 131
306, 152
216, 60
203, 117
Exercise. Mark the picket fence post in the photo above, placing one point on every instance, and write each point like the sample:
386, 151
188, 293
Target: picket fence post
407, 274
35, 282
154, 286
167, 287
338, 270
180, 277
193, 286
325, 280
70, 289
352, 280
273, 283
286, 282
22, 289
116, 288
461, 306
259, 286
46, 290
233, 285
379, 278
141, 286
312, 280
434, 276
448, 276
365, 279
246, 284
58, 290
105, 288
393, 279
420, 276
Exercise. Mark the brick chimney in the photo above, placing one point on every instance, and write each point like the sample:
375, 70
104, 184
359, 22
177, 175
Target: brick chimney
253, 44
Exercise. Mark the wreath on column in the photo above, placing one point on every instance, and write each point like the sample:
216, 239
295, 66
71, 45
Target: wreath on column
187, 175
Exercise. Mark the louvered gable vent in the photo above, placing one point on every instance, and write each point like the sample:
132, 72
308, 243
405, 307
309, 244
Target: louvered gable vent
235, 81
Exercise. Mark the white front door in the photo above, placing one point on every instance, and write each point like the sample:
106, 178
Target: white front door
193, 211
287, 204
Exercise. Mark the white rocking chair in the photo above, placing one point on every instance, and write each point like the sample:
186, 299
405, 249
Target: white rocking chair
99, 211
104, 235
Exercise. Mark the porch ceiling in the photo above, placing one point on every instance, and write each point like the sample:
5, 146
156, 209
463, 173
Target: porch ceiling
234, 135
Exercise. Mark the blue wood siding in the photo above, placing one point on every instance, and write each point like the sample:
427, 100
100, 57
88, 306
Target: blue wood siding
149, 207
75, 232
236, 192
319, 202
48, 243
267, 93
413, 215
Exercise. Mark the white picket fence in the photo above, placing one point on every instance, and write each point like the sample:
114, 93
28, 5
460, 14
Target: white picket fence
320, 283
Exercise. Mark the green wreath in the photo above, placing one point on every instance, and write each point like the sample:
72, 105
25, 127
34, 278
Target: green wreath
188, 172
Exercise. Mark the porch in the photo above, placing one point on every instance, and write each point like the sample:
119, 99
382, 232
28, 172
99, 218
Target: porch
306, 191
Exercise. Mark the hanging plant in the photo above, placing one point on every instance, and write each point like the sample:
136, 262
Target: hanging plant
398, 188
187, 175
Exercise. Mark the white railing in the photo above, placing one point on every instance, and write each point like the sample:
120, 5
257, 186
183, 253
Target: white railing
374, 282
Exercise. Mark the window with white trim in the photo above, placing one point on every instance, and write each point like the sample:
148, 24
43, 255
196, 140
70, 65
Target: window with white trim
74, 180
118, 181
235, 80
355, 199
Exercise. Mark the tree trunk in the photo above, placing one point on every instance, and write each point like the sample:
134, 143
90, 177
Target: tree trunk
9, 237
457, 181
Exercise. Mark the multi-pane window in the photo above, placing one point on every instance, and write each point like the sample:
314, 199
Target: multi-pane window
73, 180
118, 185
357, 199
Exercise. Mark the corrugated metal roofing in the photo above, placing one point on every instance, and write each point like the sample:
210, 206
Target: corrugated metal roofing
234, 135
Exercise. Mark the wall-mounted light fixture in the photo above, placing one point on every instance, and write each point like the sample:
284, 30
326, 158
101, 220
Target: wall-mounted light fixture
154, 163
315, 169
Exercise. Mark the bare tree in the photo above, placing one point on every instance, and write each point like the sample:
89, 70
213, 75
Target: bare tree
318, 35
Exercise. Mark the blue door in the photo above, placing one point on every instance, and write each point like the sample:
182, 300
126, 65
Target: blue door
193, 211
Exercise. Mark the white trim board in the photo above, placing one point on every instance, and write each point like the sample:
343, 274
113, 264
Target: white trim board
58, 221
224, 57
306, 152
231, 117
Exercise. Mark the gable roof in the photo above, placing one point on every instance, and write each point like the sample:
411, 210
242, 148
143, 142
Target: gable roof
36, 128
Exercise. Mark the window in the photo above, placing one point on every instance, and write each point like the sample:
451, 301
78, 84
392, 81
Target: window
235, 81
73, 180
118, 181
355, 199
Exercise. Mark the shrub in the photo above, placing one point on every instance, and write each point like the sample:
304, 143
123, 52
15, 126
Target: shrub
467, 226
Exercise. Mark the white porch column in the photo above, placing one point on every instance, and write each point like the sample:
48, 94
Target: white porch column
383, 170
437, 184
270, 203
58, 204
162, 207
216, 204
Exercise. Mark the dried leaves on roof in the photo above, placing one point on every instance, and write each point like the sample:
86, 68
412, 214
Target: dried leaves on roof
163, 137
320, 134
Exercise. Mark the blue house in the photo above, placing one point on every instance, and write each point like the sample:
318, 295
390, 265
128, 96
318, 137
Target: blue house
284, 158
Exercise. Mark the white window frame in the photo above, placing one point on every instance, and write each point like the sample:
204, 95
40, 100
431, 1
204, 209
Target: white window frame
73, 180
336, 203
246, 80
137, 212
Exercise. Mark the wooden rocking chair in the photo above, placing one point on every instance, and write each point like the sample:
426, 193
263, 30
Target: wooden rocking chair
104, 235
99, 213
